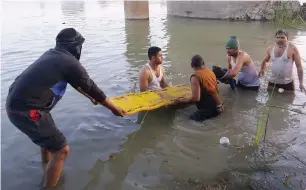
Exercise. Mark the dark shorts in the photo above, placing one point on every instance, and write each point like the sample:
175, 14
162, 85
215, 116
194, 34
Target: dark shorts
253, 88
41, 129
289, 86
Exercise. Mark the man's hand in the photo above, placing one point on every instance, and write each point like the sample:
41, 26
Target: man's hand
265, 62
302, 88
115, 109
298, 62
118, 111
220, 108
179, 100
261, 73
144, 76
94, 101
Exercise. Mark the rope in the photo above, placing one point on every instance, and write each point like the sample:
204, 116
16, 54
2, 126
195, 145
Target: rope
267, 109
135, 134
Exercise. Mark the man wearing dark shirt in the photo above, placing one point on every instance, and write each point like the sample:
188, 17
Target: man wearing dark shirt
38, 89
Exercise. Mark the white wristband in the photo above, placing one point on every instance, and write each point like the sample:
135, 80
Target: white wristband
225, 74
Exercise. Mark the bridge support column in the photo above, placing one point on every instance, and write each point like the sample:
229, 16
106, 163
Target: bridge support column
136, 10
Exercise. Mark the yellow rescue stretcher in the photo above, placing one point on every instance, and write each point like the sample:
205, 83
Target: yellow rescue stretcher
150, 100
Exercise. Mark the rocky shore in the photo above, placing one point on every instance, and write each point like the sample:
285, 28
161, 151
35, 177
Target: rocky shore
237, 10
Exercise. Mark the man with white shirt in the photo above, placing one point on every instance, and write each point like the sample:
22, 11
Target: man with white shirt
152, 75
282, 55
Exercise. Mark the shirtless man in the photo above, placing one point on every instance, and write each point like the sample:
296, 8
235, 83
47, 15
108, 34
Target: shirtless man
152, 75
241, 64
282, 55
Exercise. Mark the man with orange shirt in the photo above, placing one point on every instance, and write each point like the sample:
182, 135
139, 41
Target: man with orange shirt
205, 93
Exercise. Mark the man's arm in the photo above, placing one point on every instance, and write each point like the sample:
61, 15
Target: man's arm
143, 80
298, 63
229, 62
265, 61
213, 90
239, 63
163, 82
76, 75
217, 98
86, 95
78, 78
196, 92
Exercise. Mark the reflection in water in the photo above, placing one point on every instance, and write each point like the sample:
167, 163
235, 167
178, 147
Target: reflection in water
158, 30
159, 35
137, 43
140, 146
141, 34
42, 8
163, 148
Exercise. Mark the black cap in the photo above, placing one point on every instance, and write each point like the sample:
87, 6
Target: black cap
69, 36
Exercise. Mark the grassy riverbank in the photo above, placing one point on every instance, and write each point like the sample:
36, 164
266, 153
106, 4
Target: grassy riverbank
284, 19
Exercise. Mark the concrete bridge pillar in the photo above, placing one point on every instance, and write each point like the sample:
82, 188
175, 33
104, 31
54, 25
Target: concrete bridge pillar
136, 10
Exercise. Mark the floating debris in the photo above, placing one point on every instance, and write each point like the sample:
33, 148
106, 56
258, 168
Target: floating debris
286, 181
111, 157
281, 90
224, 141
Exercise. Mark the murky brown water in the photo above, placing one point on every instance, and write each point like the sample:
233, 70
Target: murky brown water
167, 149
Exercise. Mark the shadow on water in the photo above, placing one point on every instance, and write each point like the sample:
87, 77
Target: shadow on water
139, 148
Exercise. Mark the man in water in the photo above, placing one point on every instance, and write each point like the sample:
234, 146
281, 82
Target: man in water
205, 93
282, 55
37, 90
240, 64
152, 75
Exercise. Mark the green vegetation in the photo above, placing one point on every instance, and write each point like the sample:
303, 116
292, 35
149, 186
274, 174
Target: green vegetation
285, 18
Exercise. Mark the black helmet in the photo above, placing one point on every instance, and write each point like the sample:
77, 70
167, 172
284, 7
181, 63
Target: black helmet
71, 40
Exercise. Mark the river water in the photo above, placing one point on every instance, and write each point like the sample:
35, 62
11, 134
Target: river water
167, 151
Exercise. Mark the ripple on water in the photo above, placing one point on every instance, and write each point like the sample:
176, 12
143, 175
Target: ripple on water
113, 54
